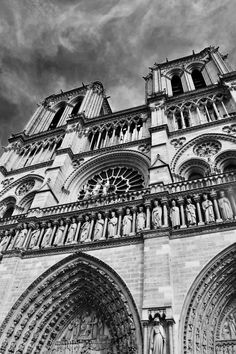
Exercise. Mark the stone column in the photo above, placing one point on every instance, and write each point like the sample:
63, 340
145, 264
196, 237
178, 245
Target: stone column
216, 110
171, 337
67, 221
231, 193
148, 214
213, 195
134, 210
93, 216
79, 219
181, 204
182, 120
43, 226
196, 198
120, 213
224, 108
164, 202
105, 226
55, 224
27, 241
16, 236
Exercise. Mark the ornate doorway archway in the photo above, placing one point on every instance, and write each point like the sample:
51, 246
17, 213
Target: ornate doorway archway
80, 305
208, 321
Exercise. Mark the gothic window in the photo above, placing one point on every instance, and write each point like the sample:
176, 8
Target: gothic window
178, 120
198, 79
176, 84
116, 180
102, 113
186, 118
56, 118
195, 175
211, 111
76, 108
230, 166
7, 207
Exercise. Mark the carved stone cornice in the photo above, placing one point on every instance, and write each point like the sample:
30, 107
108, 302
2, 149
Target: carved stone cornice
30, 168
23, 138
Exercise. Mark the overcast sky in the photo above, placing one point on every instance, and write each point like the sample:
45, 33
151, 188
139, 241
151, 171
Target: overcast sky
48, 45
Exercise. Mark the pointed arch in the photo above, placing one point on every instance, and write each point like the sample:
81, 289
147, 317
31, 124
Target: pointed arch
207, 303
51, 302
59, 110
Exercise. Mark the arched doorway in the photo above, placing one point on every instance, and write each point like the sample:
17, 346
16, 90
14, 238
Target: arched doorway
80, 305
209, 314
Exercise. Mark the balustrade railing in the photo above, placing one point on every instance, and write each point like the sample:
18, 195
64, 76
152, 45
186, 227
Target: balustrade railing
226, 347
178, 206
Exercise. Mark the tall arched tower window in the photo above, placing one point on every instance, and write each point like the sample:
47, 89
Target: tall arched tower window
198, 80
176, 84
56, 118
76, 108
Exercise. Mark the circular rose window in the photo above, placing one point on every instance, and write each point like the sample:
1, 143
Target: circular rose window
25, 187
116, 180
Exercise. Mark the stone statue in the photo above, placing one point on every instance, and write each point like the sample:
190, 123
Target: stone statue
3, 208
156, 215
85, 328
112, 225
174, 215
98, 229
190, 212
47, 236
97, 187
225, 207
87, 192
127, 223
21, 237
207, 207
105, 188
3, 242
58, 241
157, 338
34, 237
84, 235
141, 219
71, 232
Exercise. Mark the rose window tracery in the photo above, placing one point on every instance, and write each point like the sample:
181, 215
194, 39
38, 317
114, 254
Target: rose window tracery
116, 180
207, 148
25, 187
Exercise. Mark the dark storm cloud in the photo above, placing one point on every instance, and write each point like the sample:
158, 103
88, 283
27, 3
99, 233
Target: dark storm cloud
48, 45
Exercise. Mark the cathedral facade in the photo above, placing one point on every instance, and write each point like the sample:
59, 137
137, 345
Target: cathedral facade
118, 230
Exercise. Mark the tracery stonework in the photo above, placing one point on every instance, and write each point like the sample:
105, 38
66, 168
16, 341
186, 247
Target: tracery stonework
207, 149
25, 187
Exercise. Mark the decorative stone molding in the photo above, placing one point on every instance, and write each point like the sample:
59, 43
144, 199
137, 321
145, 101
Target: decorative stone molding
25, 187
177, 143
144, 148
207, 148
229, 129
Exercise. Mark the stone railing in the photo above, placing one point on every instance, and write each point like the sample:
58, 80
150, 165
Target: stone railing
226, 346
122, 216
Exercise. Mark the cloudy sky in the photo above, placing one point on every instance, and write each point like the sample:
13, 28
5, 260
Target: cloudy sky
48, 45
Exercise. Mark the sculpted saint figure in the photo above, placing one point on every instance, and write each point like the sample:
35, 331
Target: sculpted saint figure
3, 209
59, 234
72, 231
156, 215
157, 338
3, 242
97, 188
84, 235
98, 229
225, 207
190, 212
207, 207
85, 328
112, 225
105, 188
34, 237
141, 219
174, 215
21, 237
47, 236
87, 192
127, 223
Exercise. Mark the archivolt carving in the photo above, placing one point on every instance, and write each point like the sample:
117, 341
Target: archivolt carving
22, 179
197, 140
204, 308
76, 287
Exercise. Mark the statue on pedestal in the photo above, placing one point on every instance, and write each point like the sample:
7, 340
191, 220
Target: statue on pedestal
97, 187
141, 220
3, 242
127, 223
157, 338
98, 229
112, 225
59, 234
157, 215
190, 212
34, 237
47, 236
225, 207
84, 235
174, 215
21, 237
71, 232
207, 207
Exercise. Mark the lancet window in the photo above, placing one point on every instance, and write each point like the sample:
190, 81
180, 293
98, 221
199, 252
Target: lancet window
177, 87
77, 105
116, 133
198, 79
56, 118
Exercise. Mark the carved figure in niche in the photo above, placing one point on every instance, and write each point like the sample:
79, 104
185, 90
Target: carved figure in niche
141, 219
174, 215
97, 187
229, 327
59, 234
72, 231
225, 207
3, 242
3, 208
34, 237
157, 338
47, 236
98, 229
76, 328
105, 188
207, 207
127, 223
86, 324
156, 215
84, 235
21, 237
190, 212
112, 225
87, 192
